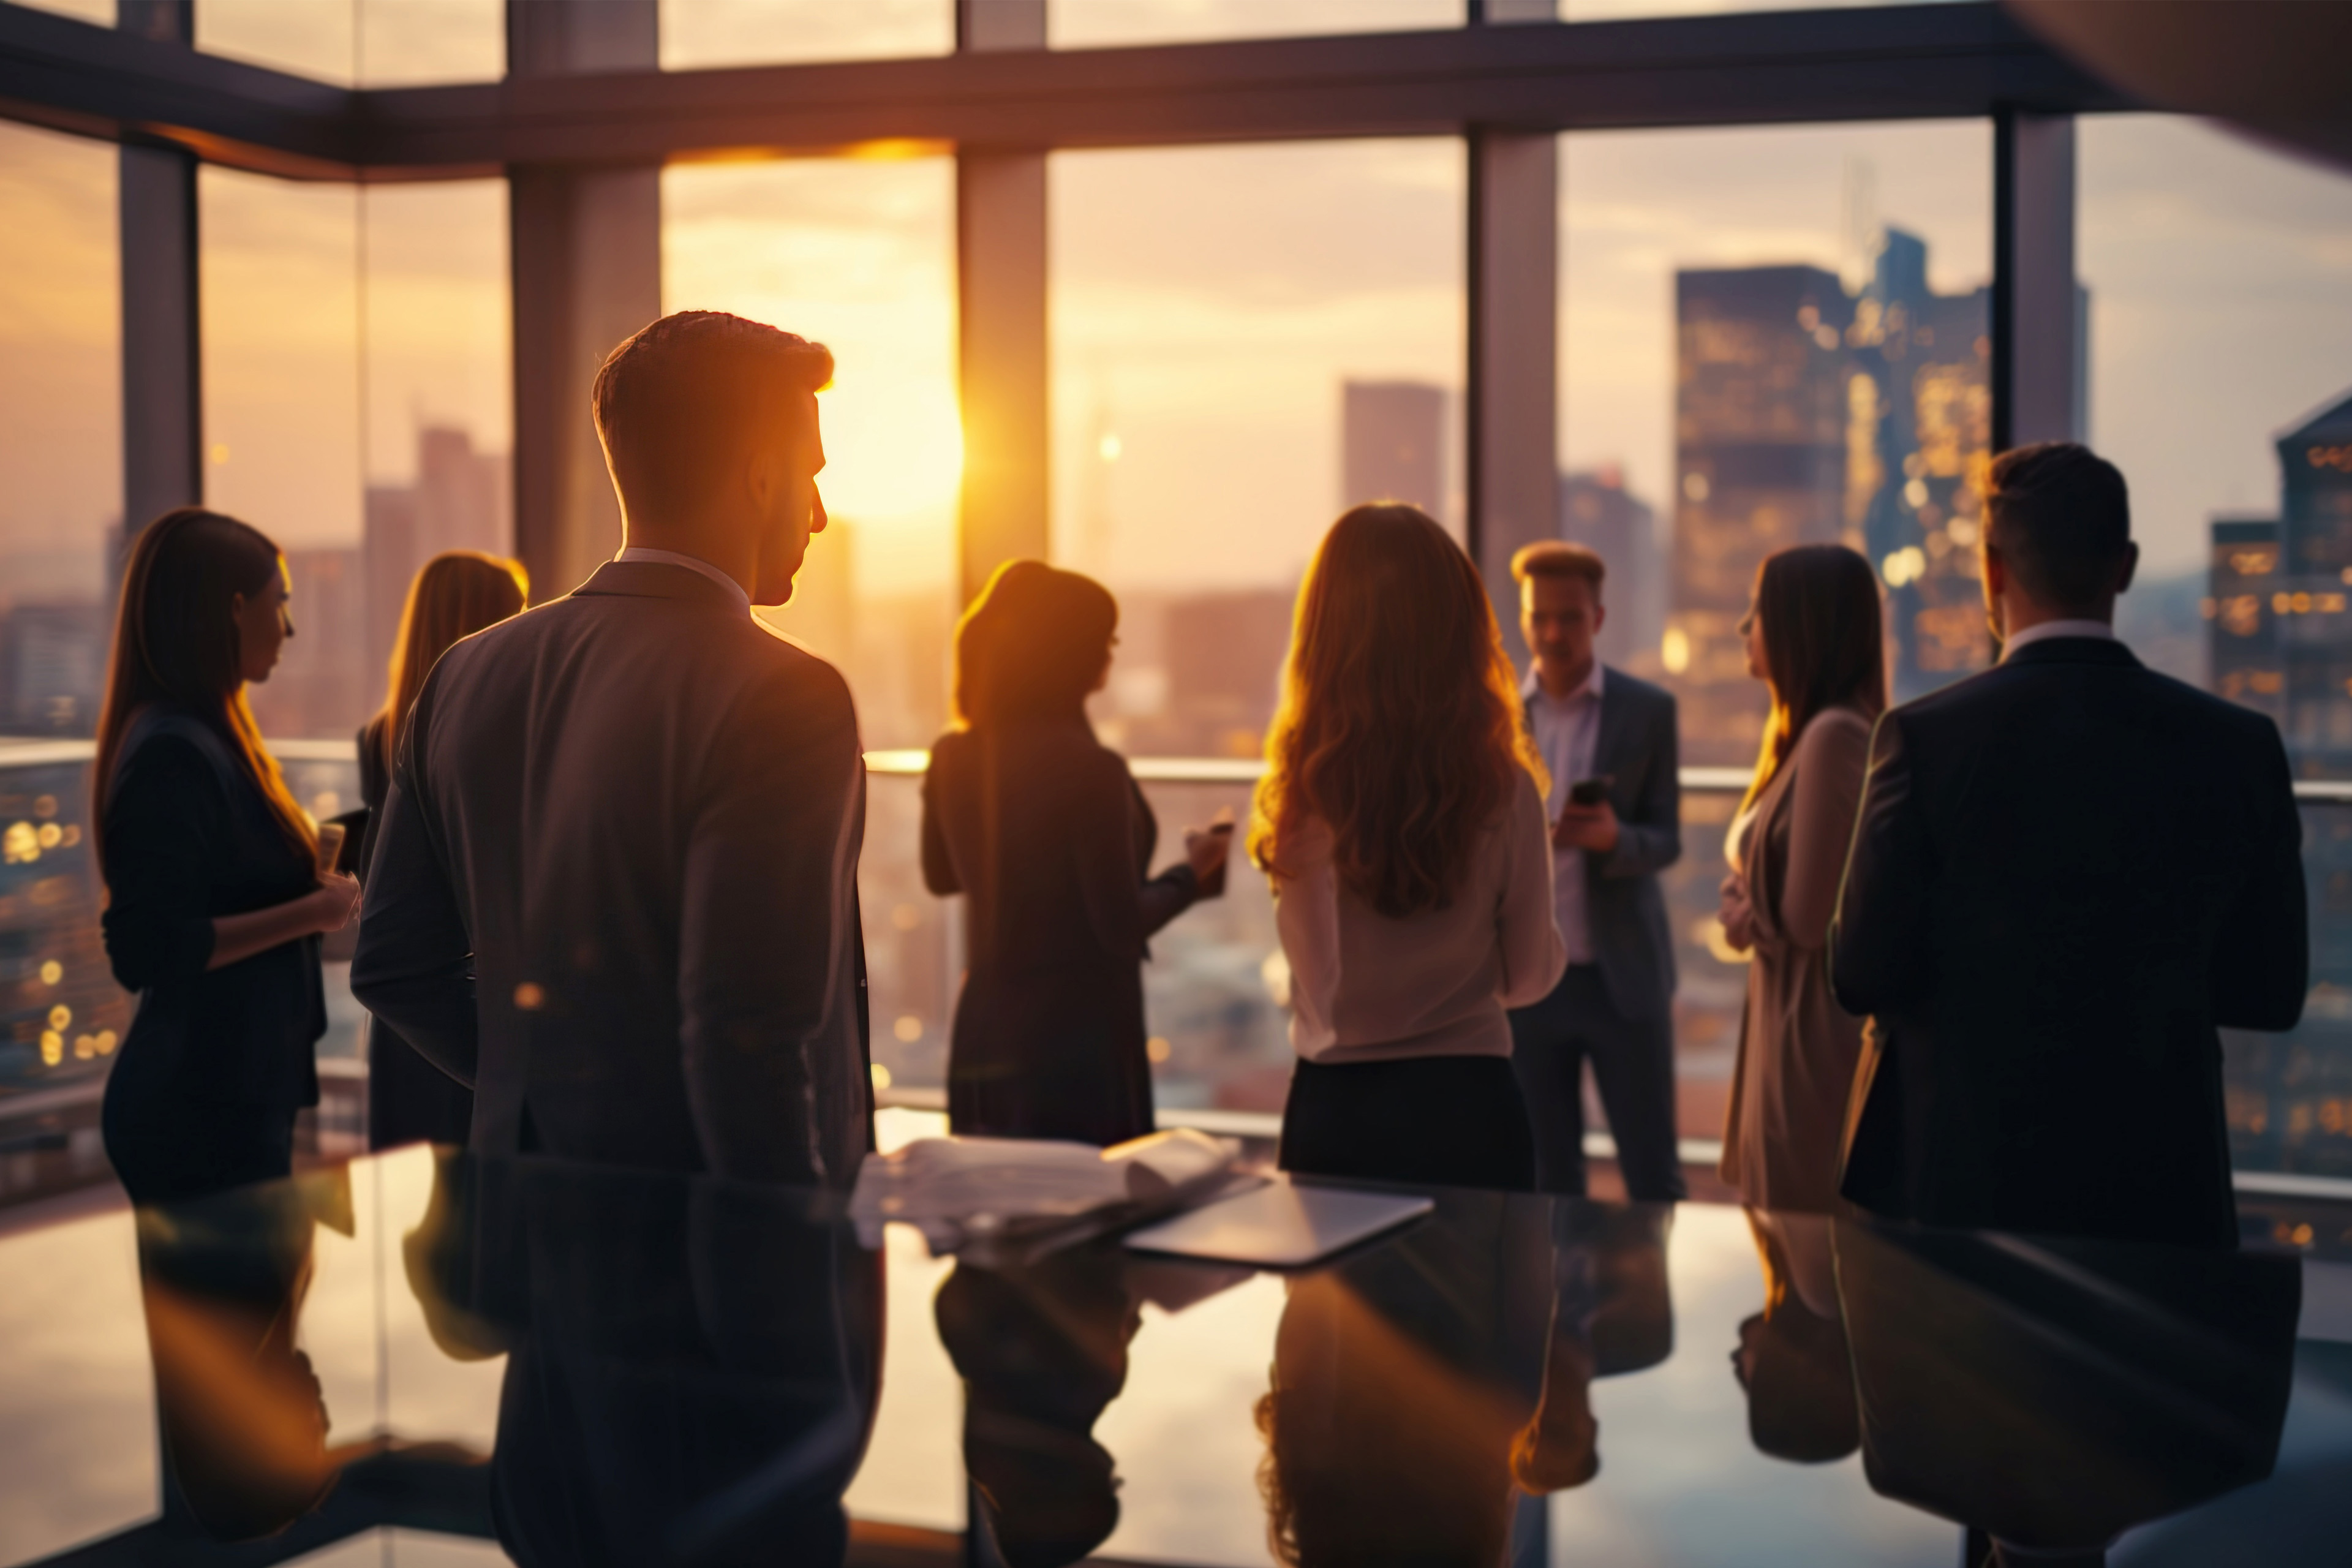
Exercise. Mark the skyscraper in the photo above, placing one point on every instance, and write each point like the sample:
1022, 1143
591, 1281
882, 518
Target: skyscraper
1805, 414
2241, 625
1392, 444
1761, 463
461, 501
1921, 407
2314, 627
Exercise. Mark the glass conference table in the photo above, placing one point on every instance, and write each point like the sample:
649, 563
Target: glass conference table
422, 1359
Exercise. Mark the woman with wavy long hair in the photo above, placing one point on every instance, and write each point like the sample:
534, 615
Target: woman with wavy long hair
455, 595
1813, 638
215, 900
1042, 830
1401, 821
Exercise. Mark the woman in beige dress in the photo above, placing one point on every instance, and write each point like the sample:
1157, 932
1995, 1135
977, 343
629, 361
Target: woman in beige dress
1813, 638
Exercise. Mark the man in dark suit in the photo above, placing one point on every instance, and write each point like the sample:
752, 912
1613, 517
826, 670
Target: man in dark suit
2068, 871
1614, 1005
616, 886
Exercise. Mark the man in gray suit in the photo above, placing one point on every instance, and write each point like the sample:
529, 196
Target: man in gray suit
1616, 736
616, 885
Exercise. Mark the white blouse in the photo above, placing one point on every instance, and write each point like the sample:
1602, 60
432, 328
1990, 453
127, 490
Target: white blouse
1365, 987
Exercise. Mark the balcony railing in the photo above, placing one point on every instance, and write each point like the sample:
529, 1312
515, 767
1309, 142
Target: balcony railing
1215, 990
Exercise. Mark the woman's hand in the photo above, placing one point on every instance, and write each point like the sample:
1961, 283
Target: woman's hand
335, 901
1737, 914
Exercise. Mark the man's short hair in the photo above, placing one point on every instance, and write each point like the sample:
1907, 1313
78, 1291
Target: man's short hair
2060, 518
1559, 558
683, 401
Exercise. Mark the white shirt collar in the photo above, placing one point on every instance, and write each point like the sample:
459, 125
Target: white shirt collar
637, 554
2047, 631
1532, 687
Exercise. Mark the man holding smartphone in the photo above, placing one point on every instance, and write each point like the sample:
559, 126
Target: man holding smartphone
1609, 742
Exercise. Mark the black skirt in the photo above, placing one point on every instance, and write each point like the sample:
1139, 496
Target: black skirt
1447, 1122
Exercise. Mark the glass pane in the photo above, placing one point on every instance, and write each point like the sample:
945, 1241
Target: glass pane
1617, 10
61, 402
439, 405
2220, 277
308, 38
98, 13
1770, 336
413, 42
859, 254
1235, 330
1096, 24
281, 268
697, 34
1775, 336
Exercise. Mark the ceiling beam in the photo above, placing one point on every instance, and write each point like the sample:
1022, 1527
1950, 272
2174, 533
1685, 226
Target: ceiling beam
1894, 62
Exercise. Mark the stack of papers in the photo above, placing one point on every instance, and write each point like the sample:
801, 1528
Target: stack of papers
963, 1191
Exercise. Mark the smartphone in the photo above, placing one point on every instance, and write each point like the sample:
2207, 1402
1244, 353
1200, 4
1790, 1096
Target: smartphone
1590, 792
330, 845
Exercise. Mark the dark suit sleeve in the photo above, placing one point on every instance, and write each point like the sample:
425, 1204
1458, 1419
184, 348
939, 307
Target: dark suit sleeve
164, 829
414, 966
1879, 955
768, 925
1650, 837
2262, 962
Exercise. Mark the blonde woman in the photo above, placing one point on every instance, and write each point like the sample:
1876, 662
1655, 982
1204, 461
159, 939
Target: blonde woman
456, 594
1401, 821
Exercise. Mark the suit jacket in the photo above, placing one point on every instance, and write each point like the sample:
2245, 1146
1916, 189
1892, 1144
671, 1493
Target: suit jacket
189, 837
1638, 747
615, 887
2067, 872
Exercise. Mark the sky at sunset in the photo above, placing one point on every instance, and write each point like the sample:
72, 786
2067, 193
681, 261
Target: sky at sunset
1207, 303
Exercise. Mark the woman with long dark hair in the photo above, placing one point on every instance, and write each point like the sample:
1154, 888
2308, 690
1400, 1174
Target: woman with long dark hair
456, 594
1813, 638
1046, 833
1402, 820
215, 898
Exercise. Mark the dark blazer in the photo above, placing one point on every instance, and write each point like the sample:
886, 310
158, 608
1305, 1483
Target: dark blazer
615, 887
2055, 1392
1638, 748
190, 836
409, 1100
1047, 835
2067, 872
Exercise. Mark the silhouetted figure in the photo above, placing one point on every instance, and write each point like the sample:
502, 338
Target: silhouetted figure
2068, 871
244, 1426
692, 1363
1402, 821
616, 885
2051, 1392
1792, 1361
1042, 1349
216, 902
1614, 736
1612, 1314
1046, 833
457, 594
1813, 638
1404, 1381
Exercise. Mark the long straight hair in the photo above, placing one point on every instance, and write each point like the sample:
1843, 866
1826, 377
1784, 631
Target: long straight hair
1401, 725
455, 595
1818, 607
176, 640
